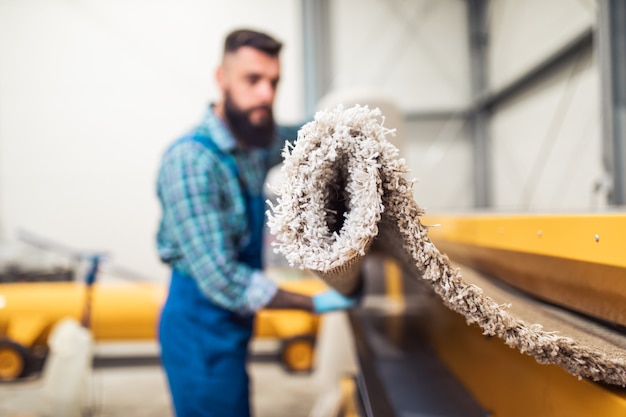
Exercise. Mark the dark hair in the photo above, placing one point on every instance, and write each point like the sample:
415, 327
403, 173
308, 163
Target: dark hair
253, 39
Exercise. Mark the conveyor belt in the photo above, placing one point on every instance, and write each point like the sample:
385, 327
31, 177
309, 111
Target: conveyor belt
401, 376
421, 359
400, 372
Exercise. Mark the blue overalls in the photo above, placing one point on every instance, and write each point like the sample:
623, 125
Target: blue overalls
204, 347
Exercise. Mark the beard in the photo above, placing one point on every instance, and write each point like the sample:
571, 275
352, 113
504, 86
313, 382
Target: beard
256, 135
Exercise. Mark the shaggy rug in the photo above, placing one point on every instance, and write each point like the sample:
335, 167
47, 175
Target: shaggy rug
344, 191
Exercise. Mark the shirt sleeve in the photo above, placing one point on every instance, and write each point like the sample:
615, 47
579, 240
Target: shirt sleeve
189, 184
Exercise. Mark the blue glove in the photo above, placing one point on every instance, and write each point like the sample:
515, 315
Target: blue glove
331, 300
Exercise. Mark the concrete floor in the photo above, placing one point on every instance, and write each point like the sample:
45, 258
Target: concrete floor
127, 380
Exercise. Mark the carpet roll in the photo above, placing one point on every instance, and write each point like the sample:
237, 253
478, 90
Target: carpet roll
345, 190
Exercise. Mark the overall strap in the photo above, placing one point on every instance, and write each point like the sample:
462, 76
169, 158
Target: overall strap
208, 143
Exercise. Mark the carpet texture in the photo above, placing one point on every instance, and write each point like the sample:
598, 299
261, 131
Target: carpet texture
344, 192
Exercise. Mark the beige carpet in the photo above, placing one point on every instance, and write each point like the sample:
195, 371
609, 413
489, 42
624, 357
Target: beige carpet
344, 191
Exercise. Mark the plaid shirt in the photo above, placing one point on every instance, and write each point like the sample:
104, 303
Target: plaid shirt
204, 224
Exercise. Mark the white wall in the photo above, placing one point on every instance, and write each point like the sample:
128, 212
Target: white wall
439, 156
416, 54
91, 92
524, 33
547, 153
547, 144
415, 51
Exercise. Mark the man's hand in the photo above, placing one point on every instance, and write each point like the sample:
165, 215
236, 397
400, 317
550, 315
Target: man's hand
331, 300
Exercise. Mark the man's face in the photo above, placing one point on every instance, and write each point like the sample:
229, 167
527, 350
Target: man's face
248, 79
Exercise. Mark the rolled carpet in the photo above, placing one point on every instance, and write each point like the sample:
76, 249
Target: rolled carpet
345, 191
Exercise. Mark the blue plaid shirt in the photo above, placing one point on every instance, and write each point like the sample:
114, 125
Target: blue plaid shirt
204, 223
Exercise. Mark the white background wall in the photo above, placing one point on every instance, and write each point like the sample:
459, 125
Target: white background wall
91, 92
546, 142
547, 153
415, 53
524, 33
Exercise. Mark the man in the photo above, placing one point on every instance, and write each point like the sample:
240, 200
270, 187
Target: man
210, 187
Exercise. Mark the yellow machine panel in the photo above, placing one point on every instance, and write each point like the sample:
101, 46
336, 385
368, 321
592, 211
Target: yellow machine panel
576, 261
128, 311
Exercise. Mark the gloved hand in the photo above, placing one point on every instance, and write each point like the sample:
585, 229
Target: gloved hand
331, 300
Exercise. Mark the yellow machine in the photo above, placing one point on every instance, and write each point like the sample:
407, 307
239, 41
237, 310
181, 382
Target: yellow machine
575, 261
296, 329
125, 311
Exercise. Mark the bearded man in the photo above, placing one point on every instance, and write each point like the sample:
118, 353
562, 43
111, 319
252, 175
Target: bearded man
210, 186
